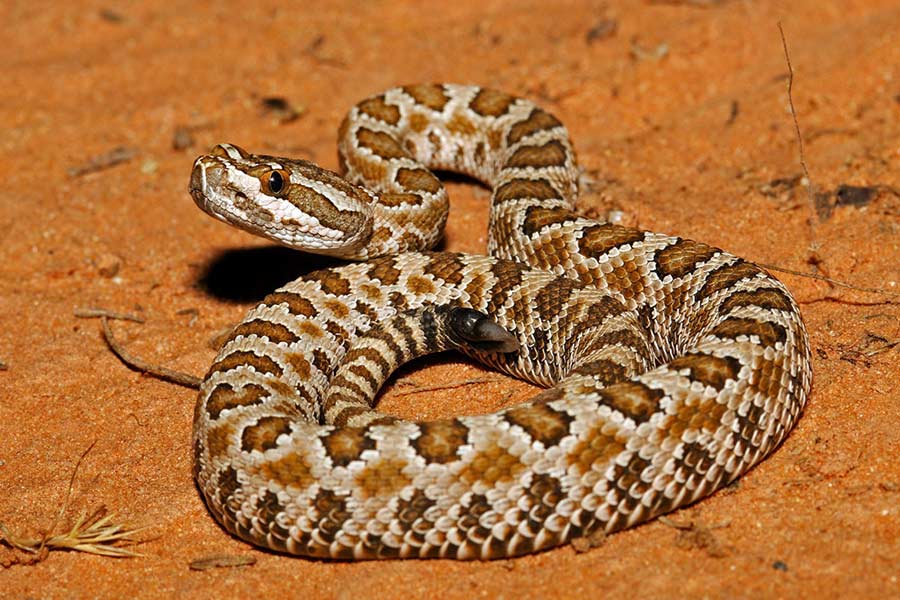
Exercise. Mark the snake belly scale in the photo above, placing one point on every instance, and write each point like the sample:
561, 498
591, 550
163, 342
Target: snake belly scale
672, 367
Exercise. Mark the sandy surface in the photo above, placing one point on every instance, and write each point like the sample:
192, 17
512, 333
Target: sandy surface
679, 114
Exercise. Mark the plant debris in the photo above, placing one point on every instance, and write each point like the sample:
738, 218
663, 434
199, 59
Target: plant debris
280, 108
220, 561
112, 158
158, 371
588, 542
182, 139
605, 28
696, 536
96, 533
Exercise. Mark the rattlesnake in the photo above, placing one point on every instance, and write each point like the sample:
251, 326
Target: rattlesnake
674, 366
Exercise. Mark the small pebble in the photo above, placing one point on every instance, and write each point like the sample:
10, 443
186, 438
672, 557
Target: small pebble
149, 166
780, 566
182, 140
108, 265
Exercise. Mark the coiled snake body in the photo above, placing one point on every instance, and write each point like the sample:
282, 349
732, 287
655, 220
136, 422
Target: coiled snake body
673, 367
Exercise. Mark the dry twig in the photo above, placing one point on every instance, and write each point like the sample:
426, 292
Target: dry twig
112, 158
835, 282
158, 371
790, 88
218, 561
415, 388
93, 313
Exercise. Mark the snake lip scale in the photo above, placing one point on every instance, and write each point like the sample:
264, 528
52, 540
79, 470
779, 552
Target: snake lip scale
671, 367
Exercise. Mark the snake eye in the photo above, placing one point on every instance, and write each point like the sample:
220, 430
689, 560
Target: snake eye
275, 182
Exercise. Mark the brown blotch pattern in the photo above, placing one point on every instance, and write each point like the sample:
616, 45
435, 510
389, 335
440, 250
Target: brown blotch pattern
726, 276
385, 477
372, 355
276, 332
314, 203
296, 304
398, 300
385, 271
598, 446
335, 329
299, 363
603, 370
439, 441
337, 308
321, 361
600, 239
624, 337
766, 378
418, 179
219, 438
701, 414
227, 484
633, 399
492, 466
342, 391
554, 296
379, 109
310, 328
380, 143
508, 277
291, 470
551, 154
420, 285
543, 423
346, 444
461, 125
330, 282
367, 310
261, 364
394, 200
262, 435
372, 293
491, 103
708, 369
224, 397
538, 120
435, 140
446, 266
733, 327
282, 389
538, 218
517, 189
682, 258
371, 170
480, 154
768, 298
431, 95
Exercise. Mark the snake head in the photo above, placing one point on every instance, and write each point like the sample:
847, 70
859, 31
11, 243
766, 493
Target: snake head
292, 202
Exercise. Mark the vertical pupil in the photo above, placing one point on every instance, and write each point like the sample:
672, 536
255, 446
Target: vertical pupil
276, 181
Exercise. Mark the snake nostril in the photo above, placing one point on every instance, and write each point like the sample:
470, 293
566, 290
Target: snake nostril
196, 179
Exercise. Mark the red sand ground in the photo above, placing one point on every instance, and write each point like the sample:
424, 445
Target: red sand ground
679, 113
